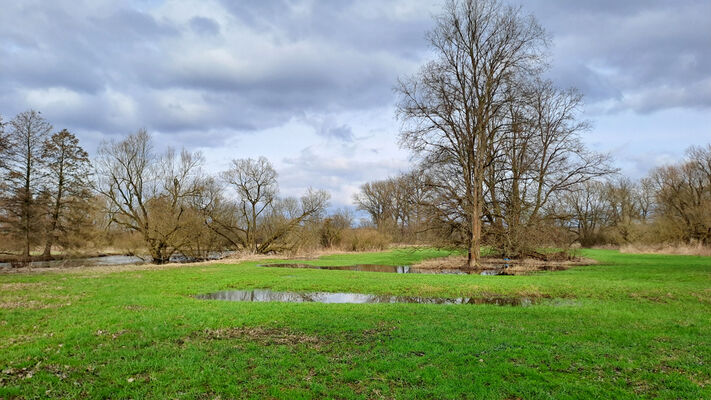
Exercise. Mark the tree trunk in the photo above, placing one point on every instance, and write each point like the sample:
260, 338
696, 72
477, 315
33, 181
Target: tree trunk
47, 249
475, 242
50, 236
27, 199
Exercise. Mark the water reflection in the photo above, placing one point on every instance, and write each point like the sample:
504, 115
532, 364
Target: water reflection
267, 295
397, 269
84, 262
114, 260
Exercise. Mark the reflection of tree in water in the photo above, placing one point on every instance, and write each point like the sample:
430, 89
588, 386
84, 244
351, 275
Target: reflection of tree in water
266, 295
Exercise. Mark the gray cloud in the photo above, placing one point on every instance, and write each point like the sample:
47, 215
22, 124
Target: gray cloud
204, 25
639, 55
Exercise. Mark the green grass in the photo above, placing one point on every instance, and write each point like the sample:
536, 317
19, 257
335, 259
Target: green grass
632, 326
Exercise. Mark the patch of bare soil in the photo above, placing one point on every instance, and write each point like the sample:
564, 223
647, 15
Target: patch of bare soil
283, 336
261, 335
511, 267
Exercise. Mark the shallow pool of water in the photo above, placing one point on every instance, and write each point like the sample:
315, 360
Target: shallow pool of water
112, 260
85, 262
396, 269
267, 295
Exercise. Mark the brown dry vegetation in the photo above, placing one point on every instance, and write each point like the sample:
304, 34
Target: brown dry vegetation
515, 267
676, 249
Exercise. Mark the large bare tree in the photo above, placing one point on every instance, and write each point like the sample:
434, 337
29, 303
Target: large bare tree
449, 108
148, 193
24, 165
377, 198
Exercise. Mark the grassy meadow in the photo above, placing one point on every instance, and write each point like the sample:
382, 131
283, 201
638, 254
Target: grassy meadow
632, 326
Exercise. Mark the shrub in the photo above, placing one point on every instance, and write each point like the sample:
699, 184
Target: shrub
363, 239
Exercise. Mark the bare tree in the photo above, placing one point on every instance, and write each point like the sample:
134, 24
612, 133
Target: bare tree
377, 199
255, 184
683, 197
147, 193
287, 216
333, 226
586, 212
449, 108
537, 156
4, 146
395, 205
67, 186
251, 216
23, 182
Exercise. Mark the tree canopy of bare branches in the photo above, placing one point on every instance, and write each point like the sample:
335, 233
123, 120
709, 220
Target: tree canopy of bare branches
148, 193
449, 108
497, 141
683, 197
250, 215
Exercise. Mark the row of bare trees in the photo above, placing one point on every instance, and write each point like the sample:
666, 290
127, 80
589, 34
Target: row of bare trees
176, 207
53, 197
671, 205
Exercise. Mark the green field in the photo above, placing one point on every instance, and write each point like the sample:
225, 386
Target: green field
632, 326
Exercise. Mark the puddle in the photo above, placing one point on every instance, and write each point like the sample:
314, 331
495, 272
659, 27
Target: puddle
83, 262
109, 261
266, 295
396, 269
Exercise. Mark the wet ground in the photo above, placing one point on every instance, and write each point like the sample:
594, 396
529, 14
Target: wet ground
84, 262
266, 295
111, 260
399, 269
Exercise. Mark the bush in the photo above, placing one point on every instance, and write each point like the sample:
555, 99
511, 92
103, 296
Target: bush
364, 239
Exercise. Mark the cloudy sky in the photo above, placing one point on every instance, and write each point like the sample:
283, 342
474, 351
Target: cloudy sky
309, 83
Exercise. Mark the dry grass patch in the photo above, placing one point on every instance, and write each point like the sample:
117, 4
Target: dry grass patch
21, 285
513, 267
679, 249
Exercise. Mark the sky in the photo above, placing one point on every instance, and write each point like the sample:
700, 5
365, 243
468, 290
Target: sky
309, 84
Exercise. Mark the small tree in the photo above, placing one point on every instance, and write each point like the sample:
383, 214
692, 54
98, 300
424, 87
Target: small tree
250, 216
254, 182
